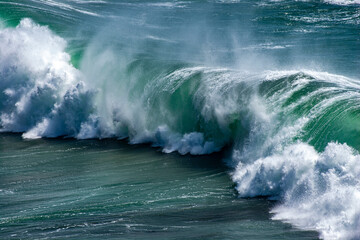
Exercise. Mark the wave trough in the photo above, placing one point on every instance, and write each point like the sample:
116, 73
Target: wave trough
292, 133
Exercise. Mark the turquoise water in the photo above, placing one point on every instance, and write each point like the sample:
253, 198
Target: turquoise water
94, 189
180, 119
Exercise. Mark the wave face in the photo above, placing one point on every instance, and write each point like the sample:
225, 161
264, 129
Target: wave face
293, 134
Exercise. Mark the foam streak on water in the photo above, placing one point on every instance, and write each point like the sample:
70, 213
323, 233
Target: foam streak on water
292, 134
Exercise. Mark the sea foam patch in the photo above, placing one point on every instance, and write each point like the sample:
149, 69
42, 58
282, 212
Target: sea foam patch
38, 82
317, 191
277, 123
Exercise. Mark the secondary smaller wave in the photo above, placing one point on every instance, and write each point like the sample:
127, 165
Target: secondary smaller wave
343, 2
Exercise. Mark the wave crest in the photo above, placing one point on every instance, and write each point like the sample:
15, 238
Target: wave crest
281, 125
318, 191
39, 85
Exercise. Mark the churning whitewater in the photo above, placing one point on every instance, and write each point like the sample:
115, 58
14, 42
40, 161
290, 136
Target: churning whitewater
293, 133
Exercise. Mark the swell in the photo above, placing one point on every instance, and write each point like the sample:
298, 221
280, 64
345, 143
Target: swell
293, 134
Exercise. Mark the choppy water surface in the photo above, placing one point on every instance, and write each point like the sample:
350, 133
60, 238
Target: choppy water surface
270, 87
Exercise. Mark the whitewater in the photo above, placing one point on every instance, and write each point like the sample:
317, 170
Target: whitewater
290, 133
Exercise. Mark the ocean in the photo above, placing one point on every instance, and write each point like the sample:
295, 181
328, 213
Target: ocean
199, 119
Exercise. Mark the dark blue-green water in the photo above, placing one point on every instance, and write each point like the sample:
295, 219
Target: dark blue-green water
90, 189
179, 119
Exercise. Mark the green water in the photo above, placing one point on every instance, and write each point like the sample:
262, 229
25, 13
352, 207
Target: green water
270, 89
91, 189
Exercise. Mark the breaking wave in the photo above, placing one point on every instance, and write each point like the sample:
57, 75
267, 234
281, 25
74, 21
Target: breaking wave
293, 134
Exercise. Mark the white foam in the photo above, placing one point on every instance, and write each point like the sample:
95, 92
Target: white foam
193, 143
343, 2
168, 4
69, 7
336, 2
37, 81
319, 191
43, 95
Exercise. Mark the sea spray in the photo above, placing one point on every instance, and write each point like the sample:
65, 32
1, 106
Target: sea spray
38, 82
317, 191
317, 188
281, 126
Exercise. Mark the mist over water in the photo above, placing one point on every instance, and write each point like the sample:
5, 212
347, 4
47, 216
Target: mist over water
276, 83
